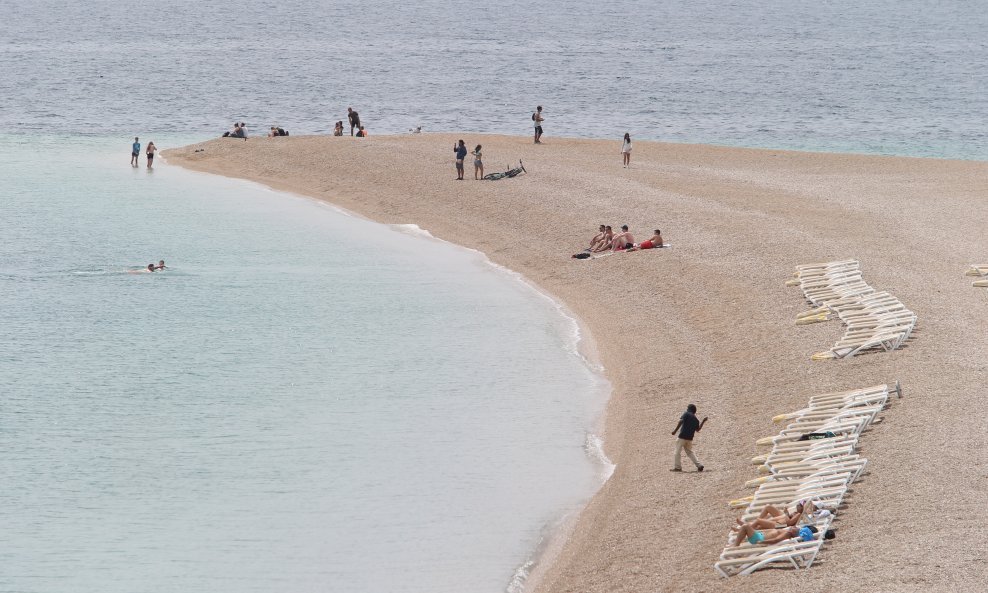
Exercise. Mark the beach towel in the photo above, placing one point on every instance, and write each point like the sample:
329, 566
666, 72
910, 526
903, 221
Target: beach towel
588, 255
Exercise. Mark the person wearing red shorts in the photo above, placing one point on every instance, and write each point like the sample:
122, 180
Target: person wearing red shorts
653, 242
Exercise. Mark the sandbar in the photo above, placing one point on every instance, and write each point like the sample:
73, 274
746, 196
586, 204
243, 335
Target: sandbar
709, 321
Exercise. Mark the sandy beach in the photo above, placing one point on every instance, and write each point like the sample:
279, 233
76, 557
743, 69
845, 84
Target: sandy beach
709, 321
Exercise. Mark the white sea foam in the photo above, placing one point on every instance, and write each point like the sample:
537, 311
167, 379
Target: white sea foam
520, 578
594, 446
412, 229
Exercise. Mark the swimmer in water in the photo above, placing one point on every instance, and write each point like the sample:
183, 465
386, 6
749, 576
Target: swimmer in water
161, 265
150, 267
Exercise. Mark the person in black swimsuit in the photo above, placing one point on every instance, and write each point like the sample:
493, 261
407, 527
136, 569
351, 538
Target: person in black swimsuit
354, 118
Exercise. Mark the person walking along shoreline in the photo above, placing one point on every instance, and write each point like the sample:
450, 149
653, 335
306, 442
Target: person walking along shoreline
687, 427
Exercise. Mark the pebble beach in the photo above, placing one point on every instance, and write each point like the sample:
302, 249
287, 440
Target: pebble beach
710, 321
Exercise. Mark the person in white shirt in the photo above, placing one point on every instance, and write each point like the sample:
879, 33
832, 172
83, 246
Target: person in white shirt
537, 118
626, 149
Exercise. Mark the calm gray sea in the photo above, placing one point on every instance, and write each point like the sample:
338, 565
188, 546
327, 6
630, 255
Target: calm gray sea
900, 77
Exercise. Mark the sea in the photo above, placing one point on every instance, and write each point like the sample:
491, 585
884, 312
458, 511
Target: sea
304, 400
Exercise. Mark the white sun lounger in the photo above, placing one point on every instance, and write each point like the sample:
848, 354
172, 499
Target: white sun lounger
820, 470
746, 559
872, 319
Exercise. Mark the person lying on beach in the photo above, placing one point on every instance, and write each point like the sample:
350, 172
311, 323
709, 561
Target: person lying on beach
623, 240
767, 537
774, 518
653, 242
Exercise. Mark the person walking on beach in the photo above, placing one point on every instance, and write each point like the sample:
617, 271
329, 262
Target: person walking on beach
150, 153
478, 163
135, 151
354, 118
687, 427
626, 150
537, 118
461, 153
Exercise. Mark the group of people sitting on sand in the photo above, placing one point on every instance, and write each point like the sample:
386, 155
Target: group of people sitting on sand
356, 129
773, 526
607, 240
239, 131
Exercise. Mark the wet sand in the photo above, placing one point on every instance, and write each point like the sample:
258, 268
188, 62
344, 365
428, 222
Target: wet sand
709, 321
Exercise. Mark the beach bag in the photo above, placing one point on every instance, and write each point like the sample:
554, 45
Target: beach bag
815, 436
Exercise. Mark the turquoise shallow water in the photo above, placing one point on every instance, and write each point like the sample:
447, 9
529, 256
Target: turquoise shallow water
303, 401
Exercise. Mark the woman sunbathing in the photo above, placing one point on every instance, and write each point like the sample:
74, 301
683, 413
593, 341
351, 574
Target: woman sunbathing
773, 518
762, 536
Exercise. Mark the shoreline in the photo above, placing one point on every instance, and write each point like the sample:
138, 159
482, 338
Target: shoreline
712, 311
525, 576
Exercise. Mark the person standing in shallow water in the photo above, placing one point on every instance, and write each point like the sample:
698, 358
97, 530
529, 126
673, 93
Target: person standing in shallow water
626, 149
687, 427
354, 118
150, 153
135, 151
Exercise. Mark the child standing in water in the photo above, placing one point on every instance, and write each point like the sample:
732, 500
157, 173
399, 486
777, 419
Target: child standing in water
626, 149
478, 163
150, 153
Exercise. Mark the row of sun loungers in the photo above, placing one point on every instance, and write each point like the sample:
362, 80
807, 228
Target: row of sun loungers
819, 470
872, 319
981, 271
